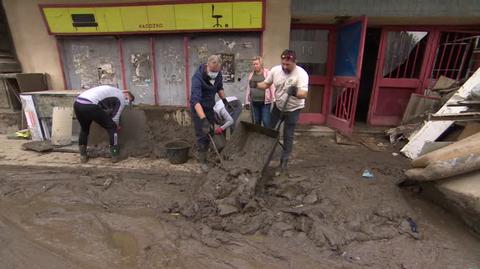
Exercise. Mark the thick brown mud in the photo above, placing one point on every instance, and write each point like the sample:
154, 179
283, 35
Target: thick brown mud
324, 215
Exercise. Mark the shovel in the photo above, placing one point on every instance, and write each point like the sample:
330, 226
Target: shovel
255, 143
215, 148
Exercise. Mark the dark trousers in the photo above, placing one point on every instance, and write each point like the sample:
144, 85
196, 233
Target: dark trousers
289, 120
235, 113
261, 113
86, 113
202, 139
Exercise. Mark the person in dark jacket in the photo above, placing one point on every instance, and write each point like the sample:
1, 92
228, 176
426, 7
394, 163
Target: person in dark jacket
103, 105
206, 82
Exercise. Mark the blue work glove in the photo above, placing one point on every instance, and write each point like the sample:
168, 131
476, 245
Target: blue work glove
292, 90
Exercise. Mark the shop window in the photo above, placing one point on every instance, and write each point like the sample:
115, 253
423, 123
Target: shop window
311, 47
236, 50
91, 61
170, 68
137, 58
159, 76
404, 54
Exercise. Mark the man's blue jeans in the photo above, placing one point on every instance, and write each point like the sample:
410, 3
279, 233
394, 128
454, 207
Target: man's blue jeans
289, 120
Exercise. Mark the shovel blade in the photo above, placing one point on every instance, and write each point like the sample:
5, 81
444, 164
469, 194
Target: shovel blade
251, 147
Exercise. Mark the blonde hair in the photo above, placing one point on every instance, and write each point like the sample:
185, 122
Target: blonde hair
259, 59
214, 60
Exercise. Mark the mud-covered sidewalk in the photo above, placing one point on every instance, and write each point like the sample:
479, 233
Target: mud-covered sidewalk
57, 213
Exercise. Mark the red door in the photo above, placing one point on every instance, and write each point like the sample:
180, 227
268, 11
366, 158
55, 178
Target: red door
313, 45
401, 68
349, 44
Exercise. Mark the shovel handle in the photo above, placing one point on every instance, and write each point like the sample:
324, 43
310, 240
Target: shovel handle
281, 113
215, 148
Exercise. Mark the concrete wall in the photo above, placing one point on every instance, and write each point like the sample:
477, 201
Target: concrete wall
395, 8
392, 12
276, 36
37, 51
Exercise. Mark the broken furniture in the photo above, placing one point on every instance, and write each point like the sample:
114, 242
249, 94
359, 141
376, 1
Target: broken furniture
38, 108
432, 130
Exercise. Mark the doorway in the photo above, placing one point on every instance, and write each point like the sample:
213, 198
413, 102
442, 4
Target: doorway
370, 53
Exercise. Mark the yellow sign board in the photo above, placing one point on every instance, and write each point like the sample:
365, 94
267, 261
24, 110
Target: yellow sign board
155, 18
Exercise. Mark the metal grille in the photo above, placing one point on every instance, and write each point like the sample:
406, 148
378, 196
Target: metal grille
453, 54
343, 107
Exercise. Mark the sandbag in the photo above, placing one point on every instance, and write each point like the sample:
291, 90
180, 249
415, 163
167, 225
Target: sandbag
464, 147
444, 169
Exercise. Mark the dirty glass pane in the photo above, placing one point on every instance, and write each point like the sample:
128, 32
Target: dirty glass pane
347, 49
170, 61
138, 68
311, 47
314, 102
91, 61
404, 54
236, 49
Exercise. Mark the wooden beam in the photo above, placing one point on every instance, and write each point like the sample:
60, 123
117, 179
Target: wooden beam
431, 130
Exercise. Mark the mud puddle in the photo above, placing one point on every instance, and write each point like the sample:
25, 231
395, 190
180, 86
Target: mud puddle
325, 215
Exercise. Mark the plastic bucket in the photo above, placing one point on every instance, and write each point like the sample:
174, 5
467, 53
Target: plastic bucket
177, 152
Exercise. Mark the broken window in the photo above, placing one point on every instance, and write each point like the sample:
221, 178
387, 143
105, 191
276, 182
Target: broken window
404, 54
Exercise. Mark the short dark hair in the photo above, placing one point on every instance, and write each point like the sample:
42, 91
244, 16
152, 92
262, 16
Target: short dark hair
132, 97
289, 55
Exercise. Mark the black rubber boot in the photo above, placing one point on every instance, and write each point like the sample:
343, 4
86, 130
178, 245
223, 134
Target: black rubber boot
83, 153
115, 153
202, 159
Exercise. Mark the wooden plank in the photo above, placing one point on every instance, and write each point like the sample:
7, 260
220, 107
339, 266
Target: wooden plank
460, 148
419, 106
443, 169
470, 129
433, 129
443, 83
371, 143
468, 116
344, 140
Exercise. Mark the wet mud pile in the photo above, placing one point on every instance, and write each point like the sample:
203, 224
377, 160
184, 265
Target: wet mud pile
231, 187
144, 132
236, 197
324, 215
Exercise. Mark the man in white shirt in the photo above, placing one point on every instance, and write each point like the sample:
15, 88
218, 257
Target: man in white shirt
103, 105
291, 83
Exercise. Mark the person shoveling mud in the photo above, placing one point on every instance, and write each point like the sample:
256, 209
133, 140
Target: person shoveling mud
206, 83
291, 89
230, 188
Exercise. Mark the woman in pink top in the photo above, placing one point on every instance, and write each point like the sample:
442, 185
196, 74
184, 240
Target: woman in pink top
259, 100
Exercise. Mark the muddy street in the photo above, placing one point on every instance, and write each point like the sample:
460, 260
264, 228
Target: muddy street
324, 215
